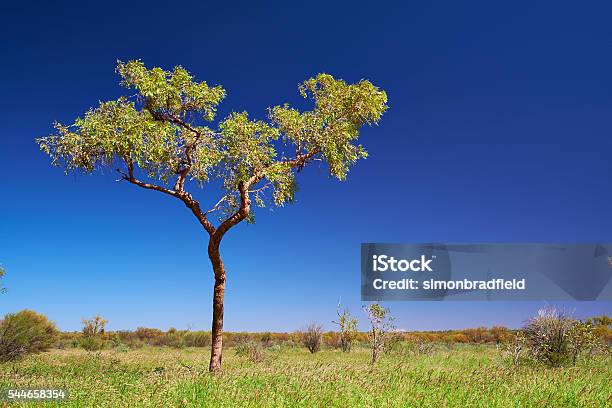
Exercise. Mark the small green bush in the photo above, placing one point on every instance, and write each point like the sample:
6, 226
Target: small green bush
92, 343
25, 332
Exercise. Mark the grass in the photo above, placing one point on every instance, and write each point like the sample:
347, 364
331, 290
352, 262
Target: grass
469, 376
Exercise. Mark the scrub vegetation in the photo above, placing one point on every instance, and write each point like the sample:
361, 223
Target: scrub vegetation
462, 375
480, 367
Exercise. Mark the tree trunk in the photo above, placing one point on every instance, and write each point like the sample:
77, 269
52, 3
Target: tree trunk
216, 350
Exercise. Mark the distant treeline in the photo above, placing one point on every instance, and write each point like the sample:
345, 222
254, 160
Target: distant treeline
187, 338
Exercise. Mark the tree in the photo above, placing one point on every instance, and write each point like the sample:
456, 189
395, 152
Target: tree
159, 142
348, 329
381, 322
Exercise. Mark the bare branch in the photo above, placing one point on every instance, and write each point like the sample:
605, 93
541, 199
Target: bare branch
260, 189
216, 206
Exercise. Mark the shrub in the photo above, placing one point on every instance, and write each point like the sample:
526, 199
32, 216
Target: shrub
459, 338
93, 331
555, 339
312, 336
381, 323
348, 329
394, 342
91, 343
197, 339
582, 340
547, 336
477, 335
25, 332
500, 334
266, 339
149, 335
94, 326
332, 340
250, 349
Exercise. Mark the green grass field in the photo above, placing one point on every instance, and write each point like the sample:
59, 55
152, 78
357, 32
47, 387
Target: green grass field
468, 376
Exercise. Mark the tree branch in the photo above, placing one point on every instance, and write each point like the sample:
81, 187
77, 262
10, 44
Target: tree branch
182, 174
216, 206
245, 200
185, 197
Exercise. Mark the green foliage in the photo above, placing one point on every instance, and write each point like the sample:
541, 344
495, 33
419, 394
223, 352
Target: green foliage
333, 125
25, 332
348, 329
582, 340
160, 131
93, 332
381, 323
92, 343
174, 93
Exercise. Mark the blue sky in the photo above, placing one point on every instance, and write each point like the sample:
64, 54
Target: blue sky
498, 131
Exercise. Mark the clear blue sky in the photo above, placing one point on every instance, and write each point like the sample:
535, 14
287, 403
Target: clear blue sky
499, 130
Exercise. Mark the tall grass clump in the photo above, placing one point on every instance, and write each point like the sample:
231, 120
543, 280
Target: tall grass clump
25, 332
251, 349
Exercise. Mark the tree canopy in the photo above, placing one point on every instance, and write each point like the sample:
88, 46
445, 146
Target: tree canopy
161, 134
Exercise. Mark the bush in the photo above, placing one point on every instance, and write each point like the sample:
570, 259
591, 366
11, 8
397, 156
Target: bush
311, 337
25, 332
91, 343
381, 322
93, 331
250, 349
348, 329
555, 339
547, 336
266, 339
197, 339
582, 340
94, 326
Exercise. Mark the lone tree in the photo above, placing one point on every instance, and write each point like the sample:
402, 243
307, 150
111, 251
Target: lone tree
158, 141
